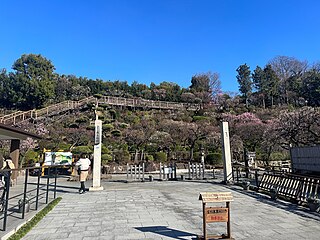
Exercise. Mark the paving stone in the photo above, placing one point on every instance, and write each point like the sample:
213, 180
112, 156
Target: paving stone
170, 210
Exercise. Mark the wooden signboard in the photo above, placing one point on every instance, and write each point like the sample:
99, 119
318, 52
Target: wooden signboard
207, 197
216, 214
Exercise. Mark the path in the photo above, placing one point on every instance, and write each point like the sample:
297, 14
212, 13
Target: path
170, 210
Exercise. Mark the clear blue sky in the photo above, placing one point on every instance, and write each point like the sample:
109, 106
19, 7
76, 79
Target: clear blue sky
158, 40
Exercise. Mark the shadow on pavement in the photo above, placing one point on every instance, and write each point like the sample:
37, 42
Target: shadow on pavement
168, 232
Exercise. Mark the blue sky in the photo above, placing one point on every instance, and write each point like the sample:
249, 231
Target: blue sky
159, 40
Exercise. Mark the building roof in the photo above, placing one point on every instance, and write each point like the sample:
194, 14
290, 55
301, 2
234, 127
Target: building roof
11, 133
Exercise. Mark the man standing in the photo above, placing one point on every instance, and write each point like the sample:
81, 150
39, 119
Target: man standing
83, 164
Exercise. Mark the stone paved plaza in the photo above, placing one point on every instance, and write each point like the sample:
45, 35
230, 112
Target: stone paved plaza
170, 210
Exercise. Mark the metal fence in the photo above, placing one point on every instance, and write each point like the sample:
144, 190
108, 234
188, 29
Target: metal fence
16, 202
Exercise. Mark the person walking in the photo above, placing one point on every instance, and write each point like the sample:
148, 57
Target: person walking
83, 165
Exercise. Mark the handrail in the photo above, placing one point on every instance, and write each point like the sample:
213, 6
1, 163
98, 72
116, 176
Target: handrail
20, 116
24, 200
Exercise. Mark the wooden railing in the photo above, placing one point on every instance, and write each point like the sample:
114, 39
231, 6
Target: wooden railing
20, 116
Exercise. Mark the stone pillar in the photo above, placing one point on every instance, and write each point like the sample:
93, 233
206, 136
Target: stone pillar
14, 154
96, 174
226, 153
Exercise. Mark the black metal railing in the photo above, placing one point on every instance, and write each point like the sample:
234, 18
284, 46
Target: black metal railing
41, 191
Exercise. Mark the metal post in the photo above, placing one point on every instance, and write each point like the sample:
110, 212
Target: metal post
55, 183
256, 177
135, 172
196, 168
175, 170
189, 170
25, 193
237, 171
38, 187
47, 193
131, 171
143, 172
171, 167
7, 184
160, 171
203, 169
139, 168
127, 170
192, 170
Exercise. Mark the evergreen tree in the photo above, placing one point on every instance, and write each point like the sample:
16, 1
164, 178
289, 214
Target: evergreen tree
244, 80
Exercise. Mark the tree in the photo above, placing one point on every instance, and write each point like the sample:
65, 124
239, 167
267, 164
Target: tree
244, 80
311, 87
260, 83
286, 67
271, 82
35, 73
299, 128
204, 86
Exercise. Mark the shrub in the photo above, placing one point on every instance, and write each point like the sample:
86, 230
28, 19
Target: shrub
116, 133
278, 156
199, 118
214, 159
82, 120
91, 127
149, 158
107, 127
160, 156
97, 95
105, 158
82, 149
123, 125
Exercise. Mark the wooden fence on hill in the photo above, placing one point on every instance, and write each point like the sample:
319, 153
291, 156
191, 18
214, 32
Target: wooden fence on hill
20, 116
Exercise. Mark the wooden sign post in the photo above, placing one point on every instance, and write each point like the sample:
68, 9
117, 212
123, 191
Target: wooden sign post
216, 214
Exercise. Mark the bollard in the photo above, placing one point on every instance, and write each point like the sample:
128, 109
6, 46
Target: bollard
182, 177
150, 178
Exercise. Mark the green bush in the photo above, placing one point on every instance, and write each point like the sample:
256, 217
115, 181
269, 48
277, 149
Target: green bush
91, 127
104, 105
108, 120
116, 133
82, 120
104, 149
105, 158
64, 146
149, 158
97, 95
73, 125
82, 149
107, 127
199, 118
123, 125
121, 155
214, 159
160, 156
31, 157
278, 156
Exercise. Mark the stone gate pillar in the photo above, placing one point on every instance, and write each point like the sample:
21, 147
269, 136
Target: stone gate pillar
226, 153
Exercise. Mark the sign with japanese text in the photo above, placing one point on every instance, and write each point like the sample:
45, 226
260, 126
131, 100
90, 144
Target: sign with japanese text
216, 214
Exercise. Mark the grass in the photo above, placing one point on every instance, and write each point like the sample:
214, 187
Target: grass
33, 222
